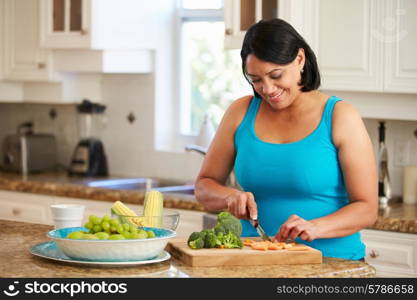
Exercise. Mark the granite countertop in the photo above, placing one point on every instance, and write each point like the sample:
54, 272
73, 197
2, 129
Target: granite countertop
397, 217
17, 261
60, 184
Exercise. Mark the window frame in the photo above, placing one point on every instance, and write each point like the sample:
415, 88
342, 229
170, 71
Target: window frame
185, 136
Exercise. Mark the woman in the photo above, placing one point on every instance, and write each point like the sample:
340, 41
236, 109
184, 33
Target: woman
304, 159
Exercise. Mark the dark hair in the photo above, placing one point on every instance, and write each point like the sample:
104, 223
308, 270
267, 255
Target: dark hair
278, 42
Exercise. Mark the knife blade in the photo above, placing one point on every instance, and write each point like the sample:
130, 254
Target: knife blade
260, 230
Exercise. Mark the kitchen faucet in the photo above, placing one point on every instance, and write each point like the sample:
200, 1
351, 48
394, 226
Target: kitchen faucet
231, 180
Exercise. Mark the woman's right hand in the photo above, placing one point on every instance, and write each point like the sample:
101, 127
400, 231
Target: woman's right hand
242, 205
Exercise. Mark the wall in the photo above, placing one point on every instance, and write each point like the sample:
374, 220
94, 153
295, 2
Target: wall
129, 146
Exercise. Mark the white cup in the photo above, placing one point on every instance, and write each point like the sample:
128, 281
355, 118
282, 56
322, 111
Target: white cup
67, 215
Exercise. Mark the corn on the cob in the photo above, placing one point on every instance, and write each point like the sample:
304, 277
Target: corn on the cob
153, 208
122, 210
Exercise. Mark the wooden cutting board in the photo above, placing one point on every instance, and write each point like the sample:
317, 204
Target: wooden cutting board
240, 257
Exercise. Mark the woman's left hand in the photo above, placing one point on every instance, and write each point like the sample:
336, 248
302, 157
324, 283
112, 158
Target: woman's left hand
297, 227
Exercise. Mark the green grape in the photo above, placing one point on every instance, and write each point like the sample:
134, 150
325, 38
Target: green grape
113, 228
91, 218
142, 234
135, 236
76, 235
114, 222
126, 227
89, 236
117, 237
105, 225
102, 235
133, 229
88, 225
97, 228
151, 234
97, 221
106, 218
120, 228
127, 234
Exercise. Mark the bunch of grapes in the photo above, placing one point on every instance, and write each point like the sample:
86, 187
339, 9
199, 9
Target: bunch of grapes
106, 228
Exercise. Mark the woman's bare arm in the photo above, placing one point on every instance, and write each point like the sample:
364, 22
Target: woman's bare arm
210, 187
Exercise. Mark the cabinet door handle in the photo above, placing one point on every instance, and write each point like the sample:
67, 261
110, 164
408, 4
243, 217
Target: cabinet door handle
41, 65
374, 253
16, 211
228, 31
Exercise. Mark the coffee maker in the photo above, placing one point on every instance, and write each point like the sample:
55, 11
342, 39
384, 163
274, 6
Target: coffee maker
89, 158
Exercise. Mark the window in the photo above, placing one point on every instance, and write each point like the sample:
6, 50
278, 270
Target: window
210, 76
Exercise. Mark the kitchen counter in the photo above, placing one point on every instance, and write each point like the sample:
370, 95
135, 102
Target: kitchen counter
60, 184
17, 261
397, 217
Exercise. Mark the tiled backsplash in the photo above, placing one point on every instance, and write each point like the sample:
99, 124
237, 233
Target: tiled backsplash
129, 146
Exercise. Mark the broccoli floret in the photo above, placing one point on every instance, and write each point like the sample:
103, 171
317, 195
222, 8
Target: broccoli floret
229, 223
223, 215
195, 235
230, 240
226, 233
220, 235
211, 240
219, 228
196, 244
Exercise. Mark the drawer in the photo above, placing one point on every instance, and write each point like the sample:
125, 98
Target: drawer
24, 212
391, 253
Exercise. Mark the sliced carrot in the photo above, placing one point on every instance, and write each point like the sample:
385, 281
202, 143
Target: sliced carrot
260, 245
274, 246
248, 242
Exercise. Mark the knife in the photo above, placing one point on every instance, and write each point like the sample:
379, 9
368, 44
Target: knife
260, 230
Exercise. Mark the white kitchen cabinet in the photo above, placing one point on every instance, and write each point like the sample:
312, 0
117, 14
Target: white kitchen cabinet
23, 58
372, 50
349, 55
393, 254
400, 40
101, 24
361, 45
25, 207
239, 15
34, 208
100, 35
65, 23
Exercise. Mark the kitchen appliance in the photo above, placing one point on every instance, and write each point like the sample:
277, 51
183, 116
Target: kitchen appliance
28, 152
89, 158
384, 187
246, 256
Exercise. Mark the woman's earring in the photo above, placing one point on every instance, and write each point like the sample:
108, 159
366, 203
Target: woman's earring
302, 71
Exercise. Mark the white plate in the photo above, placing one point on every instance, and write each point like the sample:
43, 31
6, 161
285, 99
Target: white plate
50, 250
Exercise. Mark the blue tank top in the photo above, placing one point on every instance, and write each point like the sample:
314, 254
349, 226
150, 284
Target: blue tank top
302, 178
